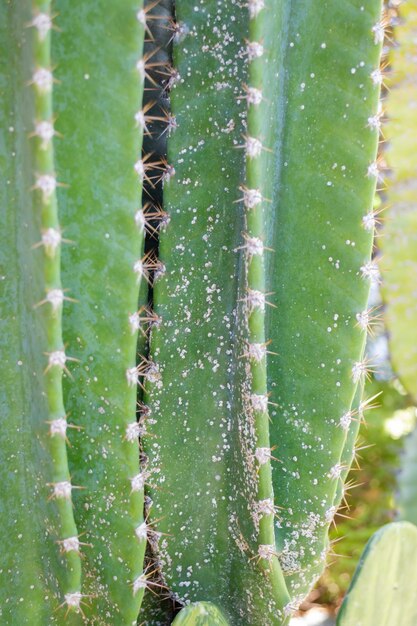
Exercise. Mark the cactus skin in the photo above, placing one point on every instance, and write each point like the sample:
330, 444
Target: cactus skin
203, 396
406, 497
319, 292
399, 241
97, 213
96, 157
200, 614
33, 411
384, 587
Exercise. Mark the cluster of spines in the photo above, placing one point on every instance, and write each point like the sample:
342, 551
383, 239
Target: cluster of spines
45, 185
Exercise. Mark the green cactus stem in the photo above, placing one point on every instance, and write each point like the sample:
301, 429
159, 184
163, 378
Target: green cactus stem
406, 499
302, 187
41, 565
71, 149
384, 587
200, 614
100, 159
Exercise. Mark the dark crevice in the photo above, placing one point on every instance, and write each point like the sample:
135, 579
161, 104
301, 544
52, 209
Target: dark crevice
159, 77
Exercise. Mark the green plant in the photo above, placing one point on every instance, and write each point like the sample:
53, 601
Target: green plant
223, 378
383, 590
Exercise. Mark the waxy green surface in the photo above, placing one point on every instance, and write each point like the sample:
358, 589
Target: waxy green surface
316, 178
30, 568
99, 92
318, 96
383, 589
200, 614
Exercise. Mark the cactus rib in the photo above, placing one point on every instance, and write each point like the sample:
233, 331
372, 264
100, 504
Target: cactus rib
100, 207
254, 246
45, 188
323, 185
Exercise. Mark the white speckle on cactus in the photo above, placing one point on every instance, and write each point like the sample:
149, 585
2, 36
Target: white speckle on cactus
55, 297
370, 270
373, 170
257, 351
134, 321
141, 531
71, 544
253, 147
140, 220
58, 427
374, 122
43, 80
359, 370
335, 471
255, 300
138, 481
168, 173
139, 168
266, 507
140, 66
57, 359
254, 50
266, 552
51, 239
254, 246
346, 420
329, 514
138, 268
73, 600
263, 455
141, 17
139, 583
255, 7
47, 184
132, 376
152, 373
259, 402
45, 131
363, 319
253, 95
377, 77
133, 431
43, 24
62, 490
140, 119
251, 197
369, 221
379, 31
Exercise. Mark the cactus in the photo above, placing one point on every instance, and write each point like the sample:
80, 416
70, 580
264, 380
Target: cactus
92, 504
383, 590
200, 614
398, 243
251, 329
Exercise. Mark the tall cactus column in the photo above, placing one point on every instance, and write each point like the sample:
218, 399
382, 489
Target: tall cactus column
299, 83
50, 244
100, 159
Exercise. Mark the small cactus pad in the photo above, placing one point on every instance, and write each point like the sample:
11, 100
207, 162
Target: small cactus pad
384, 587
200, 614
